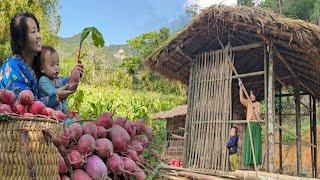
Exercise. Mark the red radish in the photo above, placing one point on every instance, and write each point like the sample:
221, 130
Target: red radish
27, 114
96, 168
74, 77
130, 129
49, 111
143, 140
132, 154
140, 126
102, 132
128, 164
65, 137
120, 121
76, 131
115, 164
139, 174
64, 177
86, 144
148, 132
7, 96
105, 120
119, 137
75, 158
62, 166
38, 107
136, 145
90, 128
104, 148
79, 174
4, 108
26, 97
59, 177
18, 108
58, 115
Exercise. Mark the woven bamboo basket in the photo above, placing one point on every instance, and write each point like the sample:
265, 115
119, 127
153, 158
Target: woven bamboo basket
25, 153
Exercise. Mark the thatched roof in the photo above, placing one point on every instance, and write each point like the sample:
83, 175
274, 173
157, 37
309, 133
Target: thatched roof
174, 112
297, 44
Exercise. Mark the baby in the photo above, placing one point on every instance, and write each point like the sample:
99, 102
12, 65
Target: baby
51, 84
233, 148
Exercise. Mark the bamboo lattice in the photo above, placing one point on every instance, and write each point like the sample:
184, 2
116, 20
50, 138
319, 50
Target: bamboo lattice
209, 110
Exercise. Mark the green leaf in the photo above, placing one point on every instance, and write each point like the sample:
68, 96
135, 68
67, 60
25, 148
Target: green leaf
97, 37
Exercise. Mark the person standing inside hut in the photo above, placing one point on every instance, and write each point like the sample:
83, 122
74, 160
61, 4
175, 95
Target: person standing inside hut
252, 106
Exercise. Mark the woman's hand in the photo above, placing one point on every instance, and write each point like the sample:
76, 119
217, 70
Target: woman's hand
240, 84
64, 92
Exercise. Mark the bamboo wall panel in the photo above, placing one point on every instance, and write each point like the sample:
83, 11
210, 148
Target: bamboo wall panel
209, 110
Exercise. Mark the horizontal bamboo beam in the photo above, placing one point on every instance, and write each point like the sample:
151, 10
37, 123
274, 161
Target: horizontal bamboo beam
248, 74
286, 95
258, 73
247, 46
174, 136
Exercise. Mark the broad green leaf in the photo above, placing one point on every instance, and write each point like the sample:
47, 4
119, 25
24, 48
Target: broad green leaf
97, 37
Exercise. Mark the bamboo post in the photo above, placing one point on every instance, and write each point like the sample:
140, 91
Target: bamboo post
280, 132
270, 110
266, 99
298, 129
315, 137
311, 134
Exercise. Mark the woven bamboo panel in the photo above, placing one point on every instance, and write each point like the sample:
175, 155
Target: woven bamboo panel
42, 152
209, 110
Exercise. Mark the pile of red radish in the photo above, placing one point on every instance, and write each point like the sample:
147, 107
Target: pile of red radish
105, 149
26, 105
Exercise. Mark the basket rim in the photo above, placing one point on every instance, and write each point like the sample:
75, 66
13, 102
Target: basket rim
16, 117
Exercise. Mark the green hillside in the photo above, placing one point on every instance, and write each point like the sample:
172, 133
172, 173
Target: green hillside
110, 56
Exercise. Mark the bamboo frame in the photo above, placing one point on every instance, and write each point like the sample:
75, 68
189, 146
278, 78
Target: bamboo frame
206, 126
271, 105
298, 130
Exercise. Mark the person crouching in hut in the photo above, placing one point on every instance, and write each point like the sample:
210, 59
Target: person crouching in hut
253, 113
233, 149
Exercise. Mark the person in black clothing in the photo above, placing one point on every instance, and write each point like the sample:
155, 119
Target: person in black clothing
233, 149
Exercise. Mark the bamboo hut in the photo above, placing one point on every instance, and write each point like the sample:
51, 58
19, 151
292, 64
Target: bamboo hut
266, 50
175, 123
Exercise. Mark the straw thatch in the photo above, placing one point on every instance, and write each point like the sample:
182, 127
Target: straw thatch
296, 42
172, 113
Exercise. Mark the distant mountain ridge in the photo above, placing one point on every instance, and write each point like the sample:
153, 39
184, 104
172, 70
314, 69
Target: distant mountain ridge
111, 55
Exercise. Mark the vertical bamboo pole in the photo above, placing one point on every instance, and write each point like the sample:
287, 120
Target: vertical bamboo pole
212, 106
209, 110
229, 100
280, 131
200, 112
315, 151
311, 134
188, 119
271, 107
208, 113
215, 95
193, 112
220, 111
298, 129
197, 118
266, 103
204, 124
